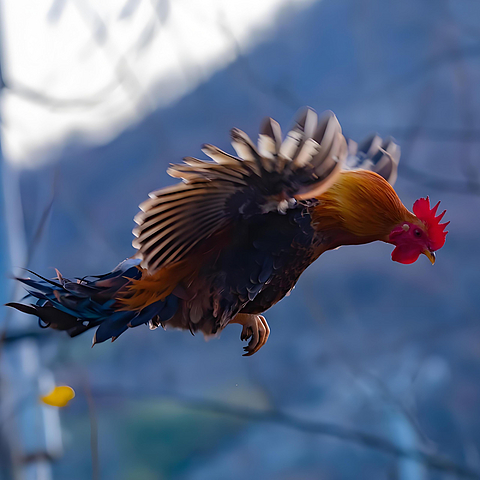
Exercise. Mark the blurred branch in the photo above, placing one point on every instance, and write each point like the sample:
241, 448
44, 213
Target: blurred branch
470, 30
126, 76
36, 96
430, 64
291, 100
465, 98
161, 11
283, 95
354, 365
417, 131
399, 406
33, 244
329, 429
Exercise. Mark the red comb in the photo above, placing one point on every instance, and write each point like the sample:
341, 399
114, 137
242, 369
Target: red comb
435, 229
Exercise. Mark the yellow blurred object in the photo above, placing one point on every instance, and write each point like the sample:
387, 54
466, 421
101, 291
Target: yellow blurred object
59, 396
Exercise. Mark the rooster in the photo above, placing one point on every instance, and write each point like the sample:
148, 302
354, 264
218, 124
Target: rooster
231, 240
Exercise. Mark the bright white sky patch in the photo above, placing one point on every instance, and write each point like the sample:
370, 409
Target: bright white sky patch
109, 62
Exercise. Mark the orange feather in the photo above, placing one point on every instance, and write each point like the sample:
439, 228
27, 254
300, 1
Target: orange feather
362, 204
151, 288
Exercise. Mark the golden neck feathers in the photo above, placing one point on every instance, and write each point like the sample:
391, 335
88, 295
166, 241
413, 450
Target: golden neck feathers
361, 205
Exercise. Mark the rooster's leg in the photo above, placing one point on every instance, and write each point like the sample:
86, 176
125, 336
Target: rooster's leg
256, 328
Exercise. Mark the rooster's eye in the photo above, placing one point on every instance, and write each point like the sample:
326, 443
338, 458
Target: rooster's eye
417, 232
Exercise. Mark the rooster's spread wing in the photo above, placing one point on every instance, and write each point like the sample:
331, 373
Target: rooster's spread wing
216, 195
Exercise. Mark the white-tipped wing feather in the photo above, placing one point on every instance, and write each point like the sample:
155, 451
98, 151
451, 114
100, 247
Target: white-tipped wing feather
379, 156
171, 223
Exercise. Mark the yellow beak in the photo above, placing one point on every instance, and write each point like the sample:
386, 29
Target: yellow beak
430, 255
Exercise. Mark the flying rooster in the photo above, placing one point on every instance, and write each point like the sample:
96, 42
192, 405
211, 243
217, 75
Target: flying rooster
234, 236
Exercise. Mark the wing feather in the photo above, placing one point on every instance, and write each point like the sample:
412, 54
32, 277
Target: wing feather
221, 157
377, 155
182, 245
156, 226
269, 139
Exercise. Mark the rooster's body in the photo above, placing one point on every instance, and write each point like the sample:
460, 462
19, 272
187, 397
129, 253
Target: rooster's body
232, 239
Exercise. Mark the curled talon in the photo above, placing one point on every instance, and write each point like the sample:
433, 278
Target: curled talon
255, 329
247, 332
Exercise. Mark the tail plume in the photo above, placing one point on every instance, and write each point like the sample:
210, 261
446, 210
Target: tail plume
78, 305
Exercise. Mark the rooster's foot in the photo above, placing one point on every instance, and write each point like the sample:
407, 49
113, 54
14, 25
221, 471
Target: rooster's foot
255, 328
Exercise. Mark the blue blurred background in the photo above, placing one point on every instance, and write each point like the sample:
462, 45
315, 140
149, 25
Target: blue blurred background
372, 369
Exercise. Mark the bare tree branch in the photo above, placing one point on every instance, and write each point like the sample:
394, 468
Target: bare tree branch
126, 76
329, 429
291, 100
20, 90
355, 367
283, 95
465, 96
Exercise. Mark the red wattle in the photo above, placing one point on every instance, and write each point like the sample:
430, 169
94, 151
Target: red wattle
405, 254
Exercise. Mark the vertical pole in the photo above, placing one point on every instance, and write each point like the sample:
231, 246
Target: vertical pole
30, 430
